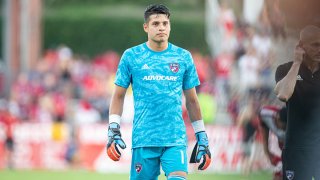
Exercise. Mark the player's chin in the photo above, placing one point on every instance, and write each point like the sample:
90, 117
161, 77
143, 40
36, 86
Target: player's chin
162, 39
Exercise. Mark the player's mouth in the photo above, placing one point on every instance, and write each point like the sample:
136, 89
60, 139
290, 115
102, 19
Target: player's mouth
161, 34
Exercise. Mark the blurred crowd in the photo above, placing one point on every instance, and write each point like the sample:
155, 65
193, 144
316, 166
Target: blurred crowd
63, 87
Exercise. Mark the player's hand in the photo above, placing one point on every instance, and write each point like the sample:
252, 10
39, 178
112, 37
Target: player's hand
299, 53
201, 151
114, 140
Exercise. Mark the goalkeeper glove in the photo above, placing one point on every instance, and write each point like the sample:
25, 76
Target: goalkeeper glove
201, 151
114, 140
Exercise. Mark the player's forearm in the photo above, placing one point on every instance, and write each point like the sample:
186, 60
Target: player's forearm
116, 105
194, 110
285, 87
192, 104
195, 117
117, 100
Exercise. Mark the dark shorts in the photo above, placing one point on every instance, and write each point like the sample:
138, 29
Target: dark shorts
9, 144
301, 164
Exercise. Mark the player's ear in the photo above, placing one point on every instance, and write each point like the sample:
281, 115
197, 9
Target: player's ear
145, 27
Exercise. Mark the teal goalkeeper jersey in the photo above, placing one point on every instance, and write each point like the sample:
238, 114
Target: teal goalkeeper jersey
158, 80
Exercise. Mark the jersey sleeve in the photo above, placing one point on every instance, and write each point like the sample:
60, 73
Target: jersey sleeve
190, 78
282, 71
123, 75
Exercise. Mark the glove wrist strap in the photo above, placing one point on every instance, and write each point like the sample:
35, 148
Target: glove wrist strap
198, 126
114, 118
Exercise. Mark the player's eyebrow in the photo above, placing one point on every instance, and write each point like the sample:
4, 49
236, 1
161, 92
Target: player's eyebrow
156, 21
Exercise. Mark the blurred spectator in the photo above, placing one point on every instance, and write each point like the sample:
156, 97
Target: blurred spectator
85, 114
249, 71
13, 105
64, 53
72, 155
227, 18
202, 66
233, 107
273, 119
242, 37
45, 111
222, 67
276, 18
7, 120
262, 43
248, 121
227, 22
252, 10
108, 61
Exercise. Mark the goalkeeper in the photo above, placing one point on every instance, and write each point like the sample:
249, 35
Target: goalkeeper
158, 72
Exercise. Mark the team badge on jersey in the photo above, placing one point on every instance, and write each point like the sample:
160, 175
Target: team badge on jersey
138, 167
174, 67
289, 174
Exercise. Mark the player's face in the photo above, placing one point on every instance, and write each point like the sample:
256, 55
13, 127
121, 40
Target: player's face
313, 49
158, 28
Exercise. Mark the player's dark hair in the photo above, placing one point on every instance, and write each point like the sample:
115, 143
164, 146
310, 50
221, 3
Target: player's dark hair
155, 9
283, 114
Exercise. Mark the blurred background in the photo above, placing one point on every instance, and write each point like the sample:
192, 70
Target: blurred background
58, 60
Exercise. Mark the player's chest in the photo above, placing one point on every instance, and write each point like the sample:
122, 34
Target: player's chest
159, 70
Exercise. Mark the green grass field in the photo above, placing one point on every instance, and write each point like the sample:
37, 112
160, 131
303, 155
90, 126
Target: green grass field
85, 175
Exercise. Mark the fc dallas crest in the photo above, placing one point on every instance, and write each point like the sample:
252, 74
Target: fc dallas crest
138, 167
174, 67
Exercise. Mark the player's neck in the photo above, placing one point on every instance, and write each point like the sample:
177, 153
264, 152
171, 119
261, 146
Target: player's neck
157, 46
